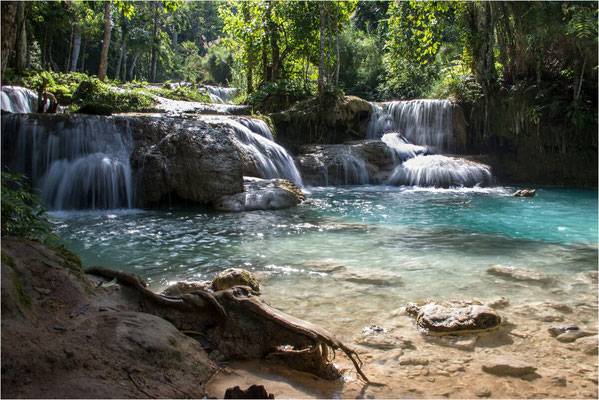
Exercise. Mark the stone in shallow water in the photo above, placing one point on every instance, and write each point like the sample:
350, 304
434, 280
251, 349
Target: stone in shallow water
588, 345
508, 367
556, 330
590, 276
262, 194
455, 316
376, 337
519, 273
235, 277
572, 335
371, 278
500, 302
326, 265
545, 312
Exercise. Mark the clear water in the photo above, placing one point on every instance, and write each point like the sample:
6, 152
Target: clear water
391, 246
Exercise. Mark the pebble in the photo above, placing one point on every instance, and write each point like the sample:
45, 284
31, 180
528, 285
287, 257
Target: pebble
556, 330
501, 302
413, 361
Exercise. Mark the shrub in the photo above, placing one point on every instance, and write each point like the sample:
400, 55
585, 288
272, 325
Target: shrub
22, 211
277, 96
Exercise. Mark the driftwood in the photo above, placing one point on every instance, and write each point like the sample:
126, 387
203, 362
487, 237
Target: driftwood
242, 326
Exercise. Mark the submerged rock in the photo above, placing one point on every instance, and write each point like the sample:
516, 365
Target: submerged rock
262, 194
508, 367
570, 336
235, 277
588, 345
519, 273
500, 302
453, 316
253, 392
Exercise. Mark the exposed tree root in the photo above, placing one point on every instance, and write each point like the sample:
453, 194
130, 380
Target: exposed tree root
242, 325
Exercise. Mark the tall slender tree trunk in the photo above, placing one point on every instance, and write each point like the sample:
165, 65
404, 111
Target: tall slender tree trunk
123, 53
106, 42
83, 55
45, 48
21, 38
321, 60
9, 31
336, 80
132, 67
248, 51
76, 46
123, 71
154, 61
67, 61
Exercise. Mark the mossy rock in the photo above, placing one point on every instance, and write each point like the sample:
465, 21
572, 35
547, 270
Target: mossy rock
235, 277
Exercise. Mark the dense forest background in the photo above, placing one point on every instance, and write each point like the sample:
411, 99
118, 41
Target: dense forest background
515, 67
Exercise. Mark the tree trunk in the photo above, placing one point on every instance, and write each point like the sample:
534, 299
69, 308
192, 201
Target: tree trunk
274, 45
132, 67
67, 60
106, 42
83, 51
336, 80
321, 60
9, 30
122, 67
45, 49
123, 54
248, 51
21, 38
175, 41
154, 61
76, 47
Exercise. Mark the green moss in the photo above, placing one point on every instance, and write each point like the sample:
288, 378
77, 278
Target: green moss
21, 297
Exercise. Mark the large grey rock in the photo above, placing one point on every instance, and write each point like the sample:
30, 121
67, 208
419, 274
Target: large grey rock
508, 367
453, 316
262, 194
189, 160
519, 273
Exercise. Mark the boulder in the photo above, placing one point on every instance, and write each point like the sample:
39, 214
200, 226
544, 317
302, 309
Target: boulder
191, 161
235, 277
65, 336
451, 317
588, 345
519, 273
508, 367
357, 162
572, 335
262, 194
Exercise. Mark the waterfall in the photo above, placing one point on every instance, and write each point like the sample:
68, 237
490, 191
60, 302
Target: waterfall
402, 149
81, 162
440, 171
220, 94
16, 99
422, 122
255, 139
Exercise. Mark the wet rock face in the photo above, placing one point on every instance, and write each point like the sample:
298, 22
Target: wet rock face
235, 277
262, 194
453, 317
353, 163
190, 161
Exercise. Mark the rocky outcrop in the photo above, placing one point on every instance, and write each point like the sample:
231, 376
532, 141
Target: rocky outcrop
262, 194
65, 337
358, 162
310, 121
184, 159
452, 317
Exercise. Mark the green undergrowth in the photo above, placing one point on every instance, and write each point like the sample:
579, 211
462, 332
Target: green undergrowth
184, 93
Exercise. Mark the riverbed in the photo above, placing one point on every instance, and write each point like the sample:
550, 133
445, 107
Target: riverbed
352, 257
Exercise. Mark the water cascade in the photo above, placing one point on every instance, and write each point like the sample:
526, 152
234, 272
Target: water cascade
255, 139
78, 163
220, 94
421, 122
416, 130
16, 99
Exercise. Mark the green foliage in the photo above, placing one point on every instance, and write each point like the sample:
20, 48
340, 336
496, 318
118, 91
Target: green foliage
277, 96
186, 93
22, 211
92, 90
456, 83
363, 71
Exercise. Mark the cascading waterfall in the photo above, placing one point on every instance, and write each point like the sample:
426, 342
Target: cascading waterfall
78, 163
421, 122
16, 99
255, 138
416, 129
220, 94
